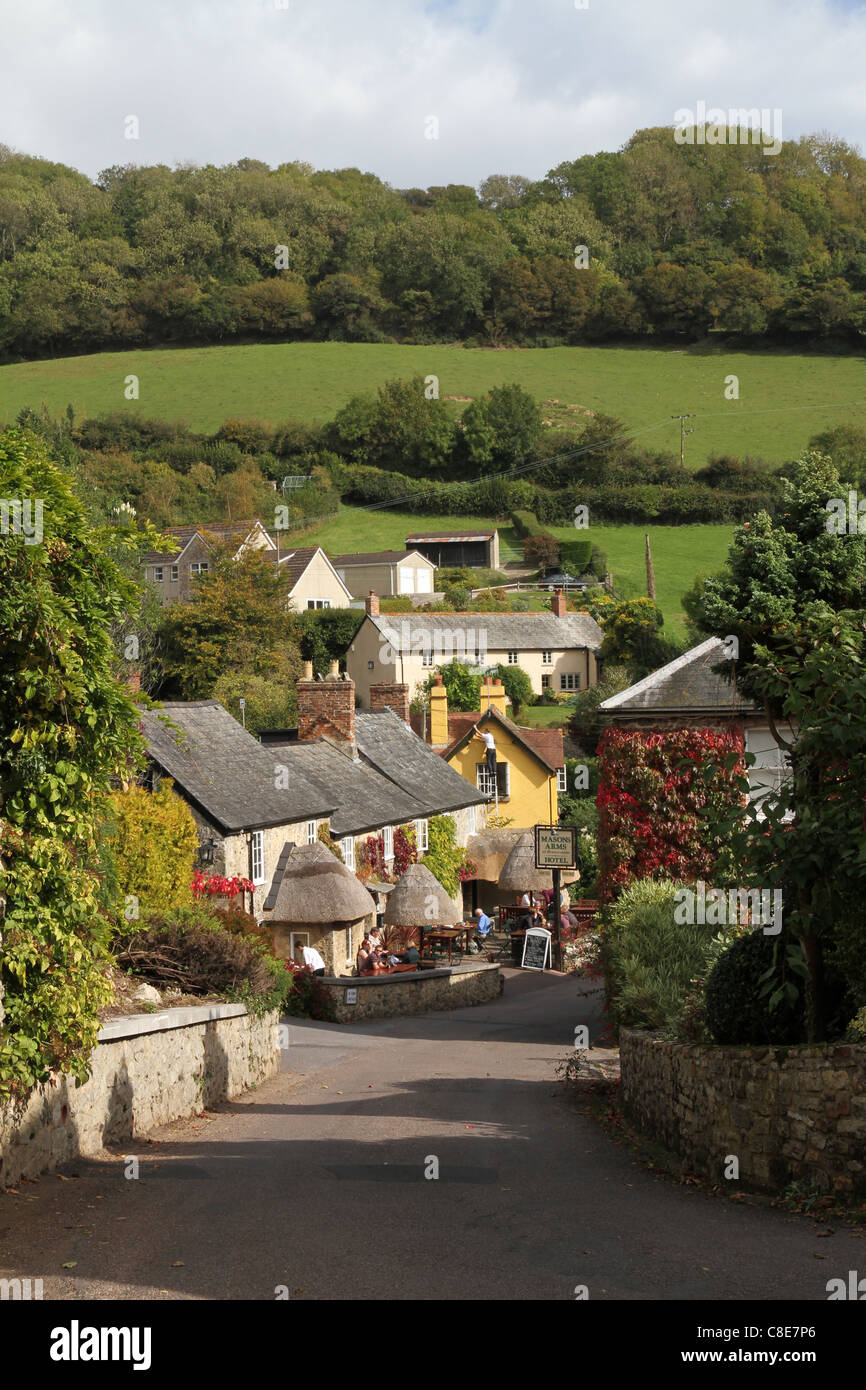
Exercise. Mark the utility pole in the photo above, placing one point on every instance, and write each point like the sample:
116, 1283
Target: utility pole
683, 433
650, 573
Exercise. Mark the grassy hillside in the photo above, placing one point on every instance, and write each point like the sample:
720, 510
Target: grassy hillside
784, 397
679, 552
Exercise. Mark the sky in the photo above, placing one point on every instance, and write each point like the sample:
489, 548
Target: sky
446, 91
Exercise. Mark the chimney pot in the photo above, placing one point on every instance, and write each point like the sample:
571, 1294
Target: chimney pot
308, 671
334, 670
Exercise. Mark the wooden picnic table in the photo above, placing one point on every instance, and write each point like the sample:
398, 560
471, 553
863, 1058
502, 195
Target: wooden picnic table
448, 935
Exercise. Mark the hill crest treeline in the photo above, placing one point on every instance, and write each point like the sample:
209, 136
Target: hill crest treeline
682, 240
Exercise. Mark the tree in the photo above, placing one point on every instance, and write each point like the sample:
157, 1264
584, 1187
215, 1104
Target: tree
845, 445
501, 429
541, 550
632, 637
518, 687
462, 685
237, 622
67, 727
777, 567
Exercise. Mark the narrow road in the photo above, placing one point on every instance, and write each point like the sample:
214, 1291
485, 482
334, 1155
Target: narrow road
316, 1181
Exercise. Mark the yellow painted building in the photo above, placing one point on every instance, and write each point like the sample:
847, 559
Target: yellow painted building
530, 763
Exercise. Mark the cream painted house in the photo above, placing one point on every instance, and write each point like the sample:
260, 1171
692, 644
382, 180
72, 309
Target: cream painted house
557, 650
314, 581
388, 573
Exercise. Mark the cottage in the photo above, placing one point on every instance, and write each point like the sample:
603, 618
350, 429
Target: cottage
557, 650
388, 573
245, 810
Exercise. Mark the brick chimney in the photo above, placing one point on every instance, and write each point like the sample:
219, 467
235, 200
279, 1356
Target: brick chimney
438, 713
391, 695
493, 696
326, 707
371, 605
558, 604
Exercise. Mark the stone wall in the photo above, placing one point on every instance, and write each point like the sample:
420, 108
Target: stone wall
386, 996
795, 1113
147, 1070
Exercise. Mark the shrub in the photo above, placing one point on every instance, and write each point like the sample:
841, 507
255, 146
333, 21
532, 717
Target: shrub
309, 998
154, 845
652, 963
857, 1028
201, 952
737, 1006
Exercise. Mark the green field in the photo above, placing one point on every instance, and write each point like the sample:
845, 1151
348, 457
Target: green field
785, 397
679, 552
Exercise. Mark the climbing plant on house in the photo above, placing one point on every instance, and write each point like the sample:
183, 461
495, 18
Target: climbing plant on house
66, 727
661, 800
154, 846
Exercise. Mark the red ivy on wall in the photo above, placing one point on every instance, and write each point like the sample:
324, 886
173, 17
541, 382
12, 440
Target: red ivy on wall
216, 886
656, 810
373, 855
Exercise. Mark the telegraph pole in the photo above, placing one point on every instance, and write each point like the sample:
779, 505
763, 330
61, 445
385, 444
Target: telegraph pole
683, 432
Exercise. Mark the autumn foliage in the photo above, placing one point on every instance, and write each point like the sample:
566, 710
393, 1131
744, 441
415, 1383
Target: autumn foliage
660, 795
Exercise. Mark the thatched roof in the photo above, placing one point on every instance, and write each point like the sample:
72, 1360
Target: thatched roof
311, 885
489, 851
519, 873
419, 899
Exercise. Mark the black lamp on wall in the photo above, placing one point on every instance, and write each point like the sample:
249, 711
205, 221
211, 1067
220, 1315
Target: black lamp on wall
206, 853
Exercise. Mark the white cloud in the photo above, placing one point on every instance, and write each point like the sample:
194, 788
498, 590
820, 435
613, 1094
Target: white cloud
517, 87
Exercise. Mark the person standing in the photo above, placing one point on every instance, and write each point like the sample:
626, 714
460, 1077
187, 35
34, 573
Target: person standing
489, 751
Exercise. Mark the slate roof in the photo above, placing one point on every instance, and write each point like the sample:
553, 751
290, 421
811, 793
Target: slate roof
687, 685
226, 772
363, 799
503, 631
373, 557
389, 745
222, 530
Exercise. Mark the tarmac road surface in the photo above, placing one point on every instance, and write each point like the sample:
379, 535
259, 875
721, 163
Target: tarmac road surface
318, 1181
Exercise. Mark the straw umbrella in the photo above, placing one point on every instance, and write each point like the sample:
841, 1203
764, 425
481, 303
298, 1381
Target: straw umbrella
519, 874
316, 890
489, 851
418, 900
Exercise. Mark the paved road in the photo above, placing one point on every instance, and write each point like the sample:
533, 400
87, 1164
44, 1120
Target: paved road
317, 1181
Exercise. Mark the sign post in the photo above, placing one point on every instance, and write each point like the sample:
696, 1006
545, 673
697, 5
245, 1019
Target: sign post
555, 849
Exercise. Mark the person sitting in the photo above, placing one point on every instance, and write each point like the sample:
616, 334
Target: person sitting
363, 956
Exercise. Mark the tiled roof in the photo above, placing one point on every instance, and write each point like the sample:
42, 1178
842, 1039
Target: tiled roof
501, 631
222, 530
371, 557
294, 562
687, 685
224, 770
545, 744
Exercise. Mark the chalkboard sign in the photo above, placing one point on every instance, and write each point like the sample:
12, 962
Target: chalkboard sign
536, 946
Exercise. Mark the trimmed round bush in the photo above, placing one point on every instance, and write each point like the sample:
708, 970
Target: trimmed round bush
736, 1010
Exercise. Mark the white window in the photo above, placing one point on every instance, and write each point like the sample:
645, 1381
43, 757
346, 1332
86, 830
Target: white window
296, 939
318, 603
569, 681
257, 849
199, 567
561, 780
427, 658
174, 574
545, 682
485, 783
422, 839
311, 832
388, 837
347, 846
471, 820
513, 658
547, 658
157, 574
348, 944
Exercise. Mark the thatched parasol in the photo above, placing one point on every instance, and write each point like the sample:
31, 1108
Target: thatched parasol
519, 874
420, 900
489, 851
316, 887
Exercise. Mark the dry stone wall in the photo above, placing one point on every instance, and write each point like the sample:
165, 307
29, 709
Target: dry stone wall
147, 1070
786, 1114
387, 996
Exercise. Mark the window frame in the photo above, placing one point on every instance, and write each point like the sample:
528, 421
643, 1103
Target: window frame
562, 779
257, 852
311, 832
347, 849
547, 656
422, 835
388, 841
